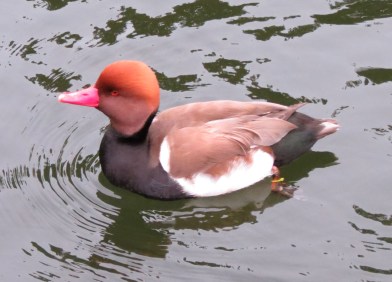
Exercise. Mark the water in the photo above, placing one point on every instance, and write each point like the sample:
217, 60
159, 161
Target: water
62, 221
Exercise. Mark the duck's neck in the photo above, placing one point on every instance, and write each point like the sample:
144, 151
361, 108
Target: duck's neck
139, 135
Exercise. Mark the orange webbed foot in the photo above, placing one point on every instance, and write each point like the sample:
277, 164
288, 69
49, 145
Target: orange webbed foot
278, 186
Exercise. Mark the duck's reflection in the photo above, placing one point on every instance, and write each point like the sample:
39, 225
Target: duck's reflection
114, 228
144, 225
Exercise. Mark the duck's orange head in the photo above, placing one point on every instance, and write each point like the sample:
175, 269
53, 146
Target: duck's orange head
126, 91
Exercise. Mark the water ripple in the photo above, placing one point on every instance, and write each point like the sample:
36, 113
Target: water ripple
376, 241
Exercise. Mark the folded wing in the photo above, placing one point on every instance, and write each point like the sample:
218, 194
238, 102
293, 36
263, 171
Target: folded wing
200, 149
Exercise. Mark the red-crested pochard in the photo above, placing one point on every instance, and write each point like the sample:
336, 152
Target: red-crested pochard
195, 150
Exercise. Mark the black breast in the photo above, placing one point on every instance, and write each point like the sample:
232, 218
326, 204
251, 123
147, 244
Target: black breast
125, 163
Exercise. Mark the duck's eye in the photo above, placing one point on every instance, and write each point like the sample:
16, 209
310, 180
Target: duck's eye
114, 93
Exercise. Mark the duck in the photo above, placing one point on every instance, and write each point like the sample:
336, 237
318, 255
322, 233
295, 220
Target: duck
200, 149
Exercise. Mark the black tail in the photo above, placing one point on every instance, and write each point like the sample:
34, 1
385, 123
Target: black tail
301, 139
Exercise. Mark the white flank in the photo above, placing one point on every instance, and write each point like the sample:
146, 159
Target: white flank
240, 176
164, 155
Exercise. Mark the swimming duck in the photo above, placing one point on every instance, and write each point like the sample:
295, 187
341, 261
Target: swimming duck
194, 150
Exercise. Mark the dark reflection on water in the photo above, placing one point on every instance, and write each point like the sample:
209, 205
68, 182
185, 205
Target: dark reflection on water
137, 228
244, 20
192, 14
134, 226
301, 167
130, 231
267, 93
374, 243
268, 32
75, 267
356, 11
57, 81
349, 12
53, 5
371, 75
375, 75
24, 51
179, 83
383, 132
67, 39
14, 178
378, 217
31, 47
232, 71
